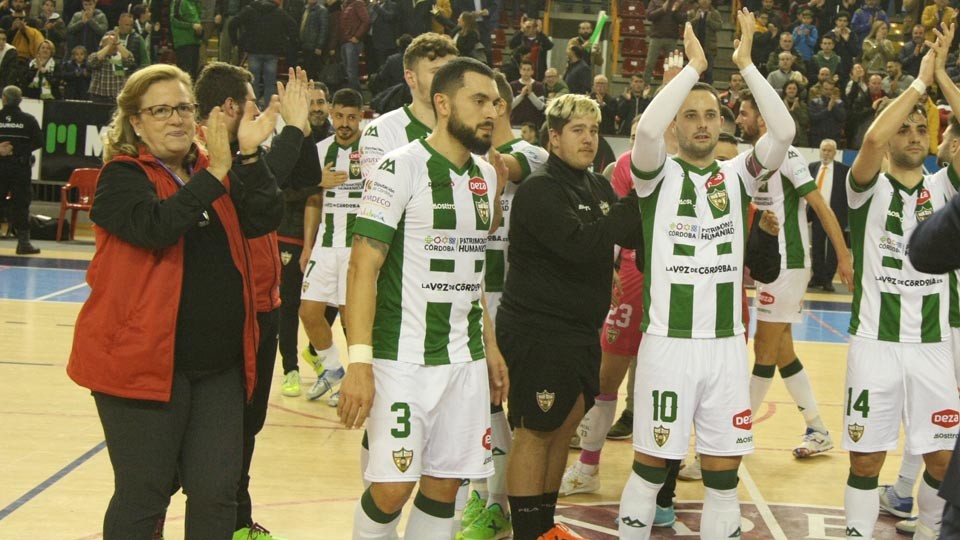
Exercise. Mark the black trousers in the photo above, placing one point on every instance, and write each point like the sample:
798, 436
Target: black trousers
255, 411
188, 59
291, 283
822, 255
669, 488
15, 180
197, 436
950, 528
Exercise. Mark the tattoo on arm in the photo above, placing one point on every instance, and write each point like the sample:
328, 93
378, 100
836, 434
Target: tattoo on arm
382, 247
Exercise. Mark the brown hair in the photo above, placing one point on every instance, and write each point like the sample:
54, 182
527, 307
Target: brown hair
430, 46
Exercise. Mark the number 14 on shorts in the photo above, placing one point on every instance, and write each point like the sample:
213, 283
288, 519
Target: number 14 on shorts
860, 404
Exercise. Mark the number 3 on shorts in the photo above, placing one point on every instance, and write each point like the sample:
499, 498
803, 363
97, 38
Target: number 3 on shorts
402, 431
862, 403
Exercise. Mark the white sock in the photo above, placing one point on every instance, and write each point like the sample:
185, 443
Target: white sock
364, 460
861, 506
502, 440
481, 486
907, 476
798, 384
463, 495
430, 520
930, 507
721, 514
760, 383
593, 431
376, 527
638, 504
330, 358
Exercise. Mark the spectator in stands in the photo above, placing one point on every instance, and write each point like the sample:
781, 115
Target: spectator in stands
731, 96
11, 67
798, 111
864, 110
391, 72
553, 85
784, 73
86, 27
144, 28
224, 12
582, 39
414, 16
774, 15
186, 32
827, 113
822, 75
467, 37
896, 82
857, 84
442, 17
912, 51
666, 18
532, 36
320, 124
131, 39
936, 14
765, 43
264, 32
607, 103
806, 35
52, 26
108, 69
845, 44
25, 38
315, 28
43, 74
877, 49
354, 23
632, 103
577, 76
528, 132
826, 57
9, 8
865, 19
822, 16
786, 45
75, 75
706, 21
528, 97
384, 26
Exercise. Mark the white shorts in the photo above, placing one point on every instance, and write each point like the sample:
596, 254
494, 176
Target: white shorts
955, 343
782, 300
325, 278
492, 299
892, 382
429, 420
700, 382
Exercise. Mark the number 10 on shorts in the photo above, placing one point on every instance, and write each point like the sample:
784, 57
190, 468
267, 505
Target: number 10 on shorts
664, 406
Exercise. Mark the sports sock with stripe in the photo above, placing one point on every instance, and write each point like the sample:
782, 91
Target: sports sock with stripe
861, 506
369, 522
501, 440
760, 383
721, 507
798, 384
907, 476
638, 504
930, 507
430, 519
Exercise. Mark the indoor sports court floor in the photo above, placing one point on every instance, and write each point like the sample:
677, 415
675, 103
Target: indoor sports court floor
55, 476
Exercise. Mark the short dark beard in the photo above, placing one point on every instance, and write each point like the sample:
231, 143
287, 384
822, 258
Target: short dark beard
904, 161
467, 136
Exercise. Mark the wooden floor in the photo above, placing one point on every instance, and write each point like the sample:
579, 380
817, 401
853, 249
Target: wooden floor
55, 476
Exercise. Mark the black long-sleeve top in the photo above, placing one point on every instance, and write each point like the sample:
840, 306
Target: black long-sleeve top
209, 333
563, 227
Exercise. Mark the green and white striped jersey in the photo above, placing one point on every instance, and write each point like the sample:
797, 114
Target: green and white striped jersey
340, 204
695, 229
782, 193
436, 218
892, 300
387, 133
531, 158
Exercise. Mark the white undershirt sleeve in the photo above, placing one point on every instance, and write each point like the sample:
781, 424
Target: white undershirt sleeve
772, 148
649, 151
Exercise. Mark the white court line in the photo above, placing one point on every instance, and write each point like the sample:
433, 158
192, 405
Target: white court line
761, 504
58, 293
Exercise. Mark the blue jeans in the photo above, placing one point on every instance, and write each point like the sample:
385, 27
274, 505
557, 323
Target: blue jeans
350, 56
264, 70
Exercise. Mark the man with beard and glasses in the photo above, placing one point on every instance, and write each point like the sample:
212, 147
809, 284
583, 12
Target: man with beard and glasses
564, 223
325, 274
787, 192
423, 365
694, 211
900, 363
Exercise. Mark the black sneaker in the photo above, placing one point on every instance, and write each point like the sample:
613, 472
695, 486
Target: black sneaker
829, 288
27, 249
622, 428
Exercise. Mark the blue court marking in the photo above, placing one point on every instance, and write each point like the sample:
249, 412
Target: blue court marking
78, 296
63, 264
18, 283
817, 325
42, 486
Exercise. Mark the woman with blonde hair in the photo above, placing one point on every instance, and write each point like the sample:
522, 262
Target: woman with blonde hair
167, 339
467, 37
877, 49
43, 74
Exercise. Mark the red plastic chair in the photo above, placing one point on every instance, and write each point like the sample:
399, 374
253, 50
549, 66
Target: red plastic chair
631, 67
632, 10
84, 181
631, 46
633, 28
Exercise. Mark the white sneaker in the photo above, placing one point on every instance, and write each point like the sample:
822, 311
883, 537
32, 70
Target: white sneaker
334, 400
325, 383
813, 443
907, 526
577, 481
691, 471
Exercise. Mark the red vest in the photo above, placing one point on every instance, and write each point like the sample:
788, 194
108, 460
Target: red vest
265, 256
123, 342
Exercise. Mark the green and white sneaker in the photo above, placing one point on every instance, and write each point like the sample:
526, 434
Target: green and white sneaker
491, 524
312, 359
473, 509
254, 532
291, 384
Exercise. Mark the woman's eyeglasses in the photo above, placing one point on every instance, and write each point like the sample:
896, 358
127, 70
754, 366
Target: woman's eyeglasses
162, 112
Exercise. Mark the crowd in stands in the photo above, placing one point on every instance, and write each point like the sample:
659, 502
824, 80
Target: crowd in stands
833, 61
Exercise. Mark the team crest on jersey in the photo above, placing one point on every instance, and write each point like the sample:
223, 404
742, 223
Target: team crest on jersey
285, 257
612, 334
545, 400
660, 435
403, 458
924, 205
306, 285
717, 192
855, 431
478, 186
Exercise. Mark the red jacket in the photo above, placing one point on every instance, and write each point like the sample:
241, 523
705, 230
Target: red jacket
265, 256
123, 342
354, 20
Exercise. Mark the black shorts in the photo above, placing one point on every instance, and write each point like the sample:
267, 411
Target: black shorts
546, 379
